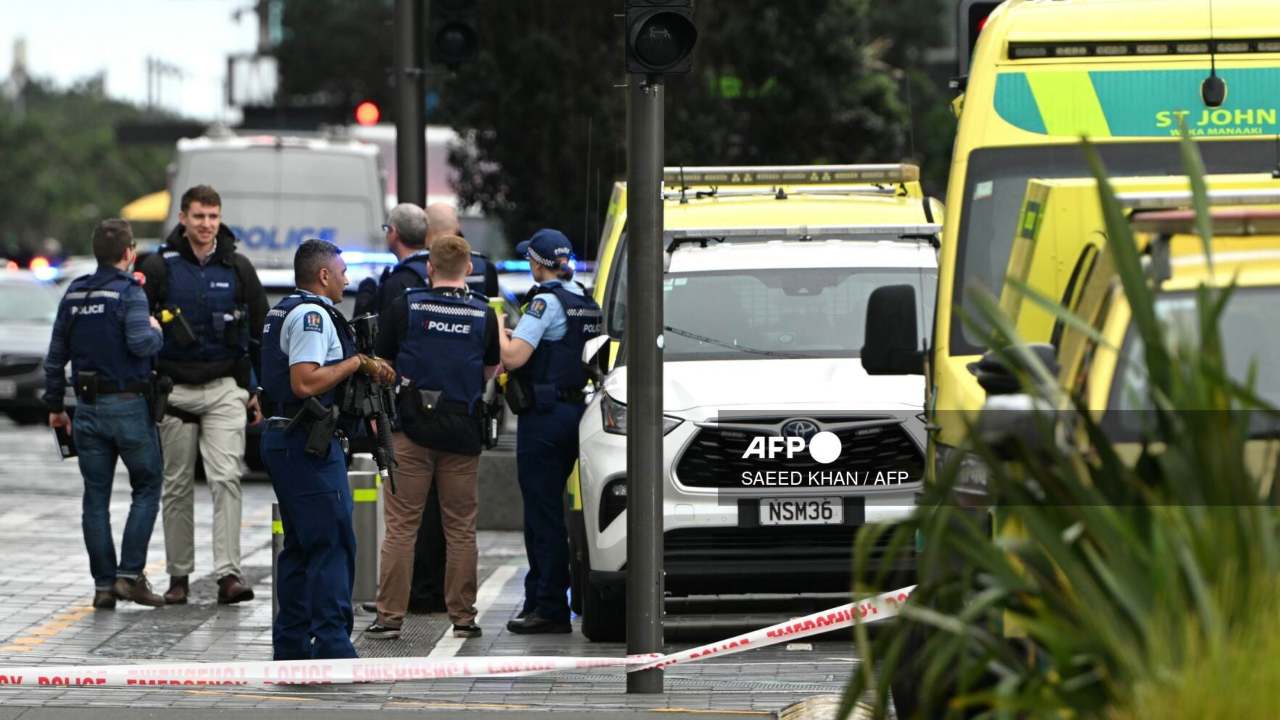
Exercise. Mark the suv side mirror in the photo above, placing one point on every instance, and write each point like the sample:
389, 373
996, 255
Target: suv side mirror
997, 379
892, 344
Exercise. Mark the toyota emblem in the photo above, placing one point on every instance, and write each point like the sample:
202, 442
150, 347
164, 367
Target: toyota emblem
802, 428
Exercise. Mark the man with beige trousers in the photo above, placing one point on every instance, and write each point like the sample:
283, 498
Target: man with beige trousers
212, 308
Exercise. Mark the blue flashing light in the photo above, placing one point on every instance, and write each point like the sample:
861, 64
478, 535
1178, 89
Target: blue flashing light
513, 265
360, 257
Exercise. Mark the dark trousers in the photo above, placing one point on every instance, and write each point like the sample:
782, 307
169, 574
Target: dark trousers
427, 591
546, 448
117, 426
316, 568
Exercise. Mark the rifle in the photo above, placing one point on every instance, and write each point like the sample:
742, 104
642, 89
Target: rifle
372, 403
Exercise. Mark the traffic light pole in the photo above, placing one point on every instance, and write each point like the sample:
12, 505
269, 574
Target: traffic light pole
411, 150
644, 376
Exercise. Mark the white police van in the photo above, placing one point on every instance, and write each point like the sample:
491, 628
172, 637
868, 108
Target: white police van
278, 191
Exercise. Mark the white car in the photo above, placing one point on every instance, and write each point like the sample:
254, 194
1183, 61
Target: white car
778, 445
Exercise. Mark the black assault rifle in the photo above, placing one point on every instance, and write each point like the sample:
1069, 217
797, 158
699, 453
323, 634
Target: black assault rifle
371, 402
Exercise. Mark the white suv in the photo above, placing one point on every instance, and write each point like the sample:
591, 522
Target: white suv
778, 445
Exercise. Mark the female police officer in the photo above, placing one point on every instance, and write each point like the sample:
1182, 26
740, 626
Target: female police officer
544, 354
308, 351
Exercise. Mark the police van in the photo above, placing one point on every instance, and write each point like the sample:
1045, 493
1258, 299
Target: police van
778, 447
278, 191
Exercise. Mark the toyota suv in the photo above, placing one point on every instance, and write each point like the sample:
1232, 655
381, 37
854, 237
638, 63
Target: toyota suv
778, 446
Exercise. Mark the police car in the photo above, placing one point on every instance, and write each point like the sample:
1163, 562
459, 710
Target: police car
778, 446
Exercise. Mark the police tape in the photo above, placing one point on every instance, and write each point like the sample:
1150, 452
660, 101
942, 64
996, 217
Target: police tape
396, 669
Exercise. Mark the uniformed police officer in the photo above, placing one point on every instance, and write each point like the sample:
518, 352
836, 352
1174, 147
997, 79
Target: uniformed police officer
444, 343
215, 308
544, 355
308, 352
104, 328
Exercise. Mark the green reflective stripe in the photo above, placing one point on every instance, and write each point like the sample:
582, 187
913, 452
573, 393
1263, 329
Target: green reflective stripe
1068, 103
277, 527
1016, 104
377, 479
363, 495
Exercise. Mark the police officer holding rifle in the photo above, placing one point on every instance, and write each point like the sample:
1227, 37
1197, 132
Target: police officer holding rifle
309, 358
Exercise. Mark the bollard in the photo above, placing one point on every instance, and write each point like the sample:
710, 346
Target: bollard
277, 544
365, 518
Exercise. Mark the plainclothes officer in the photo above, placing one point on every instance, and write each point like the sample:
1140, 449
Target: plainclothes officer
444, 343
104, 329
406, 230
308, 352
544, 355
215, 307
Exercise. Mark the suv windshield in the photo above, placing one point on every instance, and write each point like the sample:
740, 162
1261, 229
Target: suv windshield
25, 303
780, 313
1247, 351
996, 185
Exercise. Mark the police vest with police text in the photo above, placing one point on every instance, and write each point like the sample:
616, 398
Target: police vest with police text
275, 361
559, 362
444, 344
206, 296
96, 329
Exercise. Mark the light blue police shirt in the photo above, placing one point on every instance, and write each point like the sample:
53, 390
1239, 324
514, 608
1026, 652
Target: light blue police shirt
308, 335
545, 318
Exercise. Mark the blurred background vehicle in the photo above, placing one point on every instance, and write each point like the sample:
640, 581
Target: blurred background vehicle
25, 327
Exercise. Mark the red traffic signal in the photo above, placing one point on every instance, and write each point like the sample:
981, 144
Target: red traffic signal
368, 113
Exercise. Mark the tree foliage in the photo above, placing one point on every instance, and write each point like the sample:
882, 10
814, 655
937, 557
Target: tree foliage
63, 170
545, 100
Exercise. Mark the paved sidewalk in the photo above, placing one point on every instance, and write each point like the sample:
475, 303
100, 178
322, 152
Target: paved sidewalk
45, 619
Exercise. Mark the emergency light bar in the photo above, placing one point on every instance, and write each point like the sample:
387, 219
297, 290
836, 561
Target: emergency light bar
790, 175
1144, 48
1236, 222
1182, 198
799, 232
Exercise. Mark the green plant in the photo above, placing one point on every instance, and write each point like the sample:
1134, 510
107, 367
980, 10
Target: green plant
1108, 582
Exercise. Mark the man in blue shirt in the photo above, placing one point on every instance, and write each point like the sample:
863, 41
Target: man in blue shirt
544, 355
308, 352
104, 329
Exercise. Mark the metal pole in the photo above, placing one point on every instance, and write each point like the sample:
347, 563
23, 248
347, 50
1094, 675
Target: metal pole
366, 510
411, 151
644, 377
277, 544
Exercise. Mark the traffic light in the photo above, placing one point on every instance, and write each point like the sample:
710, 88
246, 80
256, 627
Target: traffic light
971, 17
660, 36
368, 113
451, 31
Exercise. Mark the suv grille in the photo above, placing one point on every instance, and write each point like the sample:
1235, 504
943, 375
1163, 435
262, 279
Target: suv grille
713, 459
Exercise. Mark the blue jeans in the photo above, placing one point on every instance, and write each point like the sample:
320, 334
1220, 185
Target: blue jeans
546, 449
316, 568
117, 426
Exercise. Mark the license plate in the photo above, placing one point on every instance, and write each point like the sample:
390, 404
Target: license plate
8, 389
801, 511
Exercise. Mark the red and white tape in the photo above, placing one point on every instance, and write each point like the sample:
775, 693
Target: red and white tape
388, 670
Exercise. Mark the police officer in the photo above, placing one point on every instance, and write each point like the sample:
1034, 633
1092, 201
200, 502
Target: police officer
544, 355
214, 306
442, 221
444, 343
406, 230
104, 329
308, 352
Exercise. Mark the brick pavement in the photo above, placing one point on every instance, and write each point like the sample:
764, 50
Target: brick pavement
45, 619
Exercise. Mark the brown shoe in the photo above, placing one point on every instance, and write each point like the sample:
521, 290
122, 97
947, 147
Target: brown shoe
178, 590
104, 600
232, 589
138, 591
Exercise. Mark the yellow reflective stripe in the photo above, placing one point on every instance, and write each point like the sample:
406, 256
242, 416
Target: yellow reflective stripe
377, 480
277, 527
1068, 103
365, 494
575, 489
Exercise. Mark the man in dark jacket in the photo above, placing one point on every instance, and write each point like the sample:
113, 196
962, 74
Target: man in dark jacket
213, 308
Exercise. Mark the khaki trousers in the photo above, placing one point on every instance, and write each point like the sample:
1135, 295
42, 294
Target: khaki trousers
457, 479
220, 439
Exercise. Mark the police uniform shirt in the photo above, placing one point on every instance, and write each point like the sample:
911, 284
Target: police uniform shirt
394, 320
544, 318
309, 335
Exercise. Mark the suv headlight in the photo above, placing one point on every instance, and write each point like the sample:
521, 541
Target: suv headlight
614, 416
